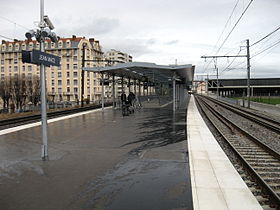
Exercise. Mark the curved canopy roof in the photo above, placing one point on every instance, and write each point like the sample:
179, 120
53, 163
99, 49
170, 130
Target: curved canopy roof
148, 71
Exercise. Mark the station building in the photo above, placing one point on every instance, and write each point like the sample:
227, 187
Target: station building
238, 87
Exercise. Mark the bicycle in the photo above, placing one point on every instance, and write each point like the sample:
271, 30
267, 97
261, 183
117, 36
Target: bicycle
125, 109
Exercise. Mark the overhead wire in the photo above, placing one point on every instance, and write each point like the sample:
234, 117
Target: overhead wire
5, 37
226, 24
228, 20
231, 61
266, 36
231, 31
271, 46
235, 25
4, 18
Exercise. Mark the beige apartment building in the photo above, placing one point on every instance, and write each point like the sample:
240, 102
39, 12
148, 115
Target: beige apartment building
63, 82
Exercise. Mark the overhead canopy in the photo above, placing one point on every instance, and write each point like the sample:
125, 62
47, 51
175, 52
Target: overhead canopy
148, 71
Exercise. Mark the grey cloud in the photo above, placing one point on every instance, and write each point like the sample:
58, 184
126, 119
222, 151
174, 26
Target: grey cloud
90, 27
134, 47
171, 42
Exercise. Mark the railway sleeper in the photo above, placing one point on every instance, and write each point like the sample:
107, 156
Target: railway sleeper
251, 151
267, 169
261, 158
269, 173
265, 165
264, 161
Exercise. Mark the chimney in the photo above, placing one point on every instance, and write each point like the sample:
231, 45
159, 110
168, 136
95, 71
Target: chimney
74, 37
91, 39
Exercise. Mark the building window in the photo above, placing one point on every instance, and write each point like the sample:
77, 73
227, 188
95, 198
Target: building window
59, 90
68, 89
30, 46
10, 68
60, 44
2, 61
29, 68
75, 74
75, 90
15, 69
75, 66
68, 74
68, 66
75, 58
2, 69
68, 43
10, 61
15, 61
75, 82
58, 74
3, 47
68, 82
52, 82
23, 68
52, 74
53, 90
59, 82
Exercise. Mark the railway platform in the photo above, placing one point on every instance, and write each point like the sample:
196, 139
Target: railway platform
99, 160
215, 182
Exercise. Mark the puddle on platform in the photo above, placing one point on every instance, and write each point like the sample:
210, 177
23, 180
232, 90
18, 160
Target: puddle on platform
138, 184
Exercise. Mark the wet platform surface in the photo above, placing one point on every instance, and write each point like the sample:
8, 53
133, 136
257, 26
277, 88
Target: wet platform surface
99, 161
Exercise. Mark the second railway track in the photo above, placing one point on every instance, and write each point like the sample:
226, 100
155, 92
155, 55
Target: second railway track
258, 161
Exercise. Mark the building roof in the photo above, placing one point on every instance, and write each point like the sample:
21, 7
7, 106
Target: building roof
148, 71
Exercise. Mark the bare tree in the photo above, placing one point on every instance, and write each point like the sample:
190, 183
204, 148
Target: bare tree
5, 91
18, 91
33, 89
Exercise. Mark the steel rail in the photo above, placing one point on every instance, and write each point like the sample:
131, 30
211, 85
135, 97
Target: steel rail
17, 120
274, 196
249, 115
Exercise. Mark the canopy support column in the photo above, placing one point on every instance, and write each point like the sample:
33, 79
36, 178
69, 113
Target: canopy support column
174, 92
102, 95
114, 92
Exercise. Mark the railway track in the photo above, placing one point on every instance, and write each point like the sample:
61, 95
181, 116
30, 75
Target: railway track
7, 123
258, 163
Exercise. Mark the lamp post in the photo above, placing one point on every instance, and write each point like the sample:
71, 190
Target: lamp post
45, 26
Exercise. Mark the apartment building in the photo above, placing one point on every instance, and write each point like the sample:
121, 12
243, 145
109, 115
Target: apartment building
115, 57
63, 82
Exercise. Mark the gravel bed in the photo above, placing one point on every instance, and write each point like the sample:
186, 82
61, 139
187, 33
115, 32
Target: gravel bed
268, 137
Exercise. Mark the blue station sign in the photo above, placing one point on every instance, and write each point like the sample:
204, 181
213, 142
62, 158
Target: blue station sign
38, 57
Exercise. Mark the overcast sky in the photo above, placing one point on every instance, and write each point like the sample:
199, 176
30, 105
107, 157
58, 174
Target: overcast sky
161, 31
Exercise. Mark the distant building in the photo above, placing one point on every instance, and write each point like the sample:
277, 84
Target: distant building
63, 82
115, 57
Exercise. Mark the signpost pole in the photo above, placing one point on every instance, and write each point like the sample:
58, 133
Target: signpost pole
44, 153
